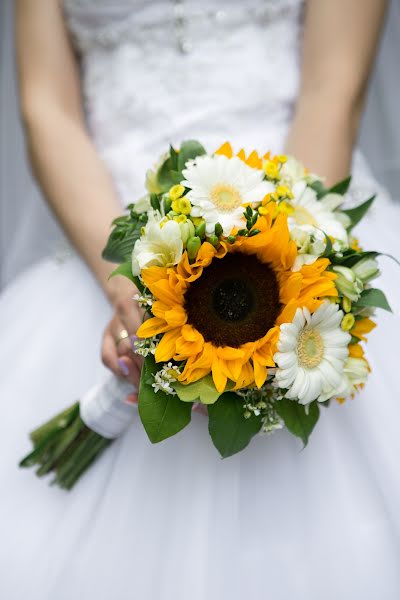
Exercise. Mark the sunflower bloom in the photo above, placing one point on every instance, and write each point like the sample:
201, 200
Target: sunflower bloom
221, 314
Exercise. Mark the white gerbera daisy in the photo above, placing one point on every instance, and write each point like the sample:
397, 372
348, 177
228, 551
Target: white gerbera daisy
308, 210
220, 186
312, 352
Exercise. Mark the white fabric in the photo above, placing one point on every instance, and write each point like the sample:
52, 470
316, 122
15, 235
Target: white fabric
173, 521
104, 408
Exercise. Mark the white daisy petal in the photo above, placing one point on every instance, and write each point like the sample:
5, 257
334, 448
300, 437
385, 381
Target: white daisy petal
312, 353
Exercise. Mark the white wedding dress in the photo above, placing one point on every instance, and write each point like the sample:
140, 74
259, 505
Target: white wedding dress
174, 521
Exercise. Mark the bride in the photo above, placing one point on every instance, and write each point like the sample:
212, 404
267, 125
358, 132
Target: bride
105, 87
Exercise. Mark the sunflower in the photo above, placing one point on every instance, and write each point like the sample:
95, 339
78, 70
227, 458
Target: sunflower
221, 313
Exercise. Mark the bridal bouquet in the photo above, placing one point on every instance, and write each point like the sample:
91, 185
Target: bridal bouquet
256, 298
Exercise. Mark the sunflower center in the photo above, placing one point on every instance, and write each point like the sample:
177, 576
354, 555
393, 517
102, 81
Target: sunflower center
236, 300
225, 197
303, 216
310, 348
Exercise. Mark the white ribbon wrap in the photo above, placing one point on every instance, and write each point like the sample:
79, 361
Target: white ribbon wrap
104, 408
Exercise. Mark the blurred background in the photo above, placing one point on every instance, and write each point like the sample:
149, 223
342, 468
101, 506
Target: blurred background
25, 218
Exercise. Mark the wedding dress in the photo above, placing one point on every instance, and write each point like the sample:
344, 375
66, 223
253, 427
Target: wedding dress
174, 521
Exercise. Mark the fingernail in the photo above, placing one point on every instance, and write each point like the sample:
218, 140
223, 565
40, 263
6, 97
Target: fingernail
124, 367
133, 338
132, 399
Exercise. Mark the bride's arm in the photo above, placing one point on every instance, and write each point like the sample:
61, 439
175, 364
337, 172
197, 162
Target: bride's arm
339, 46
67, 167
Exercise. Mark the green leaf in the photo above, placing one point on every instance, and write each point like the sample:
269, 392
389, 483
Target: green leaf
124, 269
357, 213
328, 248
296, 419
373, 297
351, 258
174, 157
188, 150
164, 178
122, 239
341, 187
319, 188
229, 430
162, 415
203, 391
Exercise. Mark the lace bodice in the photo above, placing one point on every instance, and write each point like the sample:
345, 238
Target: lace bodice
156, 72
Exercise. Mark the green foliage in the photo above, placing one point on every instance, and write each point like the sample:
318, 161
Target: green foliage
357, 213
296, 419
162, 415
203, 391
351, 258
170, 172
319, 188
229, 430
189, 150
123, 237
341, 187
374, 298
124, 269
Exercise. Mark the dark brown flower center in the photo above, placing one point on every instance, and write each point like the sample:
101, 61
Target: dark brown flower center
236, 300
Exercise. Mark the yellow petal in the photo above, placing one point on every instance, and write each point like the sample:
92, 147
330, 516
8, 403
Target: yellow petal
225, 150
166, 347
152, 327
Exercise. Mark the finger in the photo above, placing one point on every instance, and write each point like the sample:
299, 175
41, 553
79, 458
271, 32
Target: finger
109, 354
132, 399
120, 366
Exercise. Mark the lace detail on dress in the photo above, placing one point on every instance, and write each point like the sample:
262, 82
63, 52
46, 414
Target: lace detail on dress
157, 72
106, 24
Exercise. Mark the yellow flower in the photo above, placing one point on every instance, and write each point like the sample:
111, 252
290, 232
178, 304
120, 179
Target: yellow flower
348, 322
234, 340
176, 192
271, 169
283, 191
361, 328
181, 206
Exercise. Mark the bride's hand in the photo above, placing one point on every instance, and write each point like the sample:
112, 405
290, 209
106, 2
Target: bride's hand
118, 356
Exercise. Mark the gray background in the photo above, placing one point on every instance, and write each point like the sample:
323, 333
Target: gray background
27, 230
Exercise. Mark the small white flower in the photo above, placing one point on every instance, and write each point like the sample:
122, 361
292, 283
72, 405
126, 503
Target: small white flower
160, 245
146, 346
308, 210
356, 373
142, 205
292, 171
163, 379
348, 283
311, 244
151, 182
312, 352
366, 269
143, 300
219, 187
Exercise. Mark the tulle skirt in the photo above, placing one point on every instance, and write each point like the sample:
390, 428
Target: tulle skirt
174, 521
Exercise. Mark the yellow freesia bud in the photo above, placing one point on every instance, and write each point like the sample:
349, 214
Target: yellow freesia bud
284, 192
180, 219
176, 191
348, 322
182, 206
285, 208
262, 211
282, 158
271, 169
346, 303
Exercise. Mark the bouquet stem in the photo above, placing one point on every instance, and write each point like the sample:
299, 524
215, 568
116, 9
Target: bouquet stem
65, 446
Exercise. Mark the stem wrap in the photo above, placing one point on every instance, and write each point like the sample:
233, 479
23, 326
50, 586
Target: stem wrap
104, 408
